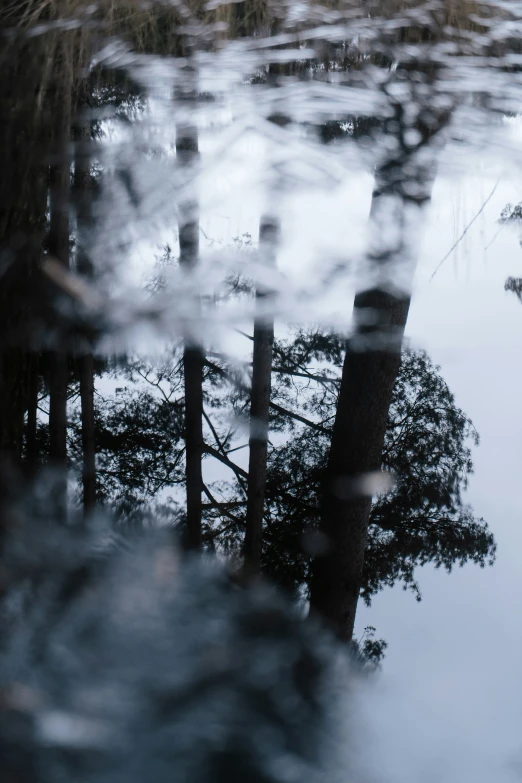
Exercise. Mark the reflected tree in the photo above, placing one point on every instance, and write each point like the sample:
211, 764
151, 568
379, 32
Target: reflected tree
140, 439
83, 187
426, 455
187, 155
314, 477
260, 393
403, 184
58, 247
405, 171
512, 215
24, 130
418, 518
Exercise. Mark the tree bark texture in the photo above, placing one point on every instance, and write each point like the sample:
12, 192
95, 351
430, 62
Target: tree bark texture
260, 405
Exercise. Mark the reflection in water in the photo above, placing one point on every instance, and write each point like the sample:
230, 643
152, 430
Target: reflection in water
511, 215
153, 375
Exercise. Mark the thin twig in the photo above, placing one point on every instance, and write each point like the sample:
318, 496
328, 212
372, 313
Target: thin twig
452, 248
244, 334
297, 417
496, 235
240, 472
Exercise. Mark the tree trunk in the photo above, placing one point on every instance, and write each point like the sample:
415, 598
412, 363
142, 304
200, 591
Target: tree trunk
86, 367
31, 449
403, 186
23, 198
58, 377
187, 155
58, 247
84, 224
193, 369
367, 383
259, 408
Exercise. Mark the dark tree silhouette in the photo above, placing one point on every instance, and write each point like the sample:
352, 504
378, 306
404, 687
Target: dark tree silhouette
83, 198
58, 246
139, 440
24, 148
421, 519
403, 181
259, 407
187, 154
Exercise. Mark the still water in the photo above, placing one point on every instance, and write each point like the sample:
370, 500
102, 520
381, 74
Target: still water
211, 213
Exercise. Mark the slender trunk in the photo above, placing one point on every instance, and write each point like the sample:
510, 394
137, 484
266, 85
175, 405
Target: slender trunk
84, 224
58, 246
32, 417
86, 367
193, 369
403, 186
58, 377
187, 155
260, 407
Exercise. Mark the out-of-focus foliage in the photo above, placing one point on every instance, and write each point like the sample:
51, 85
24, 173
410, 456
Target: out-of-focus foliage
512, 213
119, 662
288, 76
514, 284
